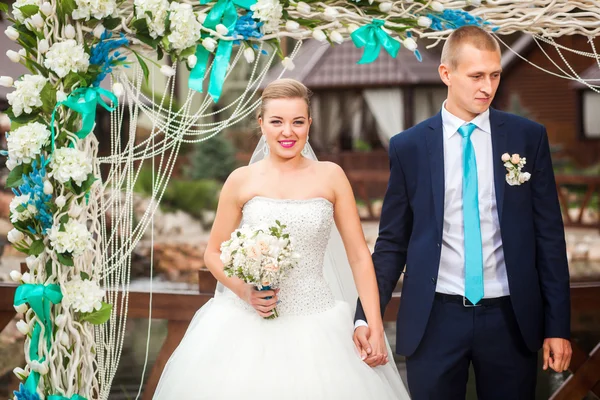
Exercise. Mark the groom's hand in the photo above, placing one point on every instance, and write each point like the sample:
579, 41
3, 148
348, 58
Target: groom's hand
557, 354
361, 341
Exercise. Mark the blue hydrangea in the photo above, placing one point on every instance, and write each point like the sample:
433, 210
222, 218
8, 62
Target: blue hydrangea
25, 394
453, 19
247, 27
33, 185
101, 54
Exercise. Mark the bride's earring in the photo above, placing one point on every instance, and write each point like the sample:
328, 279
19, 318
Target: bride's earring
305, 150
265, 149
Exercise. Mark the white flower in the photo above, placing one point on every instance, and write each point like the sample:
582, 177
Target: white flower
474, 3
505, 157
319, 35
70, 163
336, 37
410, 44
40, 368
12, 33
118, 89
202, 17
192, 61
60, 321
20, 373
515, 158
11, 164
32, 262
249, 55
37, 20
75, 211
98, 9
60, 201
67, 56
222, 29
43, 46
292, 26
288, 63
209, 44
27, 213
158, 9
15, 236
185, 28
270, 12
15, 275
424, 22
46, 9
524, 177
25, 143
60, 96
13, 56
330, 13
6, 81
303, 8
64, 339
23, 327
385, 7
98, 31
82, 295
26, 278
75, 239
69, 31
437, 6
352, 27
20, 3
167, 70
21, 308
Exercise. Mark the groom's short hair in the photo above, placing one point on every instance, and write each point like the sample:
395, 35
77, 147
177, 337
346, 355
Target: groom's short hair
473, 35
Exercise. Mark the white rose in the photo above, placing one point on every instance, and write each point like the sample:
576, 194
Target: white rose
15, 236
12, 33
385, 7
524, 177
288, 63
319, 35
437, 6
249, 55
43, 46
424, 22
410, 44
6, 81
292, 26
23, 327
13, 56
60, 201
505, 157
303, 8
69, 31
336, 37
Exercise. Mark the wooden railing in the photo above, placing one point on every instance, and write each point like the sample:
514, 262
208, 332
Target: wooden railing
178, 309
591, 186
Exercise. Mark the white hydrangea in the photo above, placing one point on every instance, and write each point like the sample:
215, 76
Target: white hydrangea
25, 143
67, 56
75, 239
82, 295
98, 9
158, 9
24, 215
26, 95
270, 12
20, 3
69, 163
185, 27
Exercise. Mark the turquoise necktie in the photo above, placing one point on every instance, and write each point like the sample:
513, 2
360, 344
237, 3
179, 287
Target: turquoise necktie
473, 251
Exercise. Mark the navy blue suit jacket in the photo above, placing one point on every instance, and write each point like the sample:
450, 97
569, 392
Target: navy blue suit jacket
410, 232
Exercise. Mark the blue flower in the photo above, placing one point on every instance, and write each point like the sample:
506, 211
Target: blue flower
453, 19
25, 394
247, 28
33, 185
100, 54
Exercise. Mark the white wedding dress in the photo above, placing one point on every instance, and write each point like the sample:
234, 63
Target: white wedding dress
230, 353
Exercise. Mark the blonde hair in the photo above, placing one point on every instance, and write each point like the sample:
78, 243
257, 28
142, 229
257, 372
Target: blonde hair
284, 89
472, 35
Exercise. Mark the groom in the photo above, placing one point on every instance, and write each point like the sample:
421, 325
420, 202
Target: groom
486, 280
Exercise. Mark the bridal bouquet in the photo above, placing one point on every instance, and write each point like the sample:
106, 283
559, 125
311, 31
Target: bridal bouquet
261, 256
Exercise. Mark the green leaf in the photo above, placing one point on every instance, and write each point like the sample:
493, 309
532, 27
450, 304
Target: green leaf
4, 7
188, 52
15, 177
68, 6
84, 276
37, 247
64, 219
159, 52
65, 259
85, 185
98, 317
48, 267
140, 25
21, 119
74, 78
21, 208
48, 96
29, 10
144, 66
111, 23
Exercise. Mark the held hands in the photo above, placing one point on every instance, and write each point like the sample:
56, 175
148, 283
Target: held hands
257, 299
557, 354
371, 345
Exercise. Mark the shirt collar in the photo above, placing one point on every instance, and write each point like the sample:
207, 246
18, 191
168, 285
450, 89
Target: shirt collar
451, 122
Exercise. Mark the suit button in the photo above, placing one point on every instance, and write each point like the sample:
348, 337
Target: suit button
438, 245
433, 280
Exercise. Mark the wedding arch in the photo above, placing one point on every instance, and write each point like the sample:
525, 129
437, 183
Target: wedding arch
76, 228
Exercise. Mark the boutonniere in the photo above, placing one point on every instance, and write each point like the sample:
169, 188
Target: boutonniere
514, 164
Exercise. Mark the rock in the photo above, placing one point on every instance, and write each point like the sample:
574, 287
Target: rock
179, 261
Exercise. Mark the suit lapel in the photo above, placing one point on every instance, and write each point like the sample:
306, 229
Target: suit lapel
499, 147
435, 147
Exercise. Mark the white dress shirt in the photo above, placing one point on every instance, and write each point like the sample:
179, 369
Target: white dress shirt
451, 275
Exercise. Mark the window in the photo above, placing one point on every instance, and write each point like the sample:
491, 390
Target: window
590, 115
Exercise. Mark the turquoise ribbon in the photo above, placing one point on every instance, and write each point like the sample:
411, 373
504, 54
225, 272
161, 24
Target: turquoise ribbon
223, 12
39, 297
84, 101
372, 37
60, 397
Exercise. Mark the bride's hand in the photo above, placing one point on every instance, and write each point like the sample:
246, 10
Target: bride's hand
379, 354
257, 299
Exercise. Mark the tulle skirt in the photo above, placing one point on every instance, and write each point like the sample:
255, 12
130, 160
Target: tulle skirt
231, 353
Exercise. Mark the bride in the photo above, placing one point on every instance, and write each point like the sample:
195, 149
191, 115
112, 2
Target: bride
230, 350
